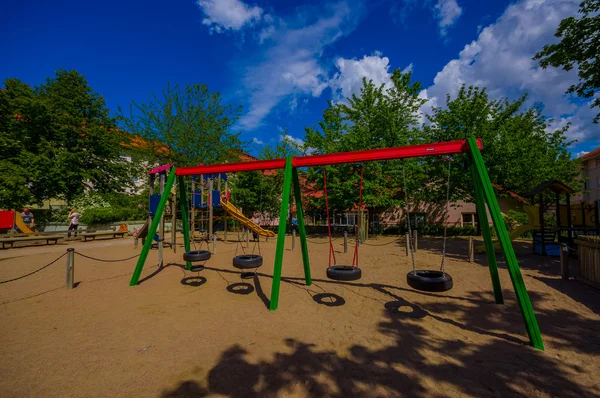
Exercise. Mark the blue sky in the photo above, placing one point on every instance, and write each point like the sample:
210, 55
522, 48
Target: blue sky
283, 60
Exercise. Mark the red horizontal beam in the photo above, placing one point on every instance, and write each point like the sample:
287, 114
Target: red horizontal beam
401, 152
232, 167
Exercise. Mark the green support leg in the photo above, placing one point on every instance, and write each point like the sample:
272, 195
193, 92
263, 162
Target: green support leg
285, 201
152, 229
533, 330
184, 217
487, 237
301, 228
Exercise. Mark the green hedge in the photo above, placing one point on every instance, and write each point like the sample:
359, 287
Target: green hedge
112, 214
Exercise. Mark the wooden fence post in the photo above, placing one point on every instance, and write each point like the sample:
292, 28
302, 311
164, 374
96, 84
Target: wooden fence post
70, 267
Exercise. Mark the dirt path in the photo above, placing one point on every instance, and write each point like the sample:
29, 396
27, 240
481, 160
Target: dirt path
182, 334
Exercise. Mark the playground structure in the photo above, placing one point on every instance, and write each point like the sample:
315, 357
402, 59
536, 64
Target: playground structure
484, 195
11, 221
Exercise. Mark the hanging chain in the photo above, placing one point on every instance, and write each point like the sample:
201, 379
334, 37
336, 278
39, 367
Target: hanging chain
410, 245
446, 224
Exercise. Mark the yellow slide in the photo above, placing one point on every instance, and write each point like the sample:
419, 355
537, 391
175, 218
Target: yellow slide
246, 222
513, 235
21, 225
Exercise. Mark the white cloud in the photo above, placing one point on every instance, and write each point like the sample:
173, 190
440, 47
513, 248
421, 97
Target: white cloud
290, 65
500, 59
446, 12
293, 105
257, 141
580, 154
409, 68
348, 79
266, 33
296, 141
228, 14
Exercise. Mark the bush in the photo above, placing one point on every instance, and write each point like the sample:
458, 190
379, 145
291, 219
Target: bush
434, 230
109, 215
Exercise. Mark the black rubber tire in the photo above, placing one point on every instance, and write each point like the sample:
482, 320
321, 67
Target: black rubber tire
196, 256
247, 261
429, 281
197, 268
248, 275
344, 273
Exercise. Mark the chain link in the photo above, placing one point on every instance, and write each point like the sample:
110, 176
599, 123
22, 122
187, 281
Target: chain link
37, 270
410, 238
106, 261
446, 224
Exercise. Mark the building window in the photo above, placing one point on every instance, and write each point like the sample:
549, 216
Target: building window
598, 162
598, 183
469, 219
417, 219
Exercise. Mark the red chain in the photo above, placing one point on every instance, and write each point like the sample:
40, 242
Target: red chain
355, 258
331, 252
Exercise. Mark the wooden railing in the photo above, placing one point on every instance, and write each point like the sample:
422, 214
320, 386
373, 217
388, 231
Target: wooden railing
589, 260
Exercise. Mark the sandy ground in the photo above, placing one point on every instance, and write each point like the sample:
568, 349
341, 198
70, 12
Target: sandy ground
212, 334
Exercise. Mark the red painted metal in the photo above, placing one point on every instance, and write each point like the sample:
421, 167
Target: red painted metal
411, 151
231, 167
7, 219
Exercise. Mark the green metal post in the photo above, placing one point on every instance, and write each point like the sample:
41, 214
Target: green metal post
301, 228
533, 330
152, 229
487, 237
184, 217
285, 201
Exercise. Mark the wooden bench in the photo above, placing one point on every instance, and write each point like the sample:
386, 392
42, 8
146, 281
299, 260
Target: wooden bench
48, 238
93, 235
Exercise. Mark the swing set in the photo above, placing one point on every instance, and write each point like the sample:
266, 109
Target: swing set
429, 280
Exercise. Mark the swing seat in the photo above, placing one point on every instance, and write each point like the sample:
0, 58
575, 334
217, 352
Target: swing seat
196, 256
247, 261
344, 273
429, 281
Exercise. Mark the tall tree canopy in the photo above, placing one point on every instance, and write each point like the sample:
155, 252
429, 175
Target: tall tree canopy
188, 125
579, 46
380, 117
56, 139
519, 150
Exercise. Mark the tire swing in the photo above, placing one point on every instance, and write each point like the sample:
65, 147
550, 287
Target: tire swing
335, 271
198, 255
248, 261
428, 280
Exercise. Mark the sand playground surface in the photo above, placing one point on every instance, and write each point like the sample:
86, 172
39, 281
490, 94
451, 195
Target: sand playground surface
210, 333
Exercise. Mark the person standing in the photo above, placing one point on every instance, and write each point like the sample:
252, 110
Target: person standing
255, 220
27, 217
73, 221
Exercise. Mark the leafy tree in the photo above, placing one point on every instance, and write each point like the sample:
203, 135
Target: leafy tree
55, 140
519, 150
579, 45
185, 126
261, 190
379, 118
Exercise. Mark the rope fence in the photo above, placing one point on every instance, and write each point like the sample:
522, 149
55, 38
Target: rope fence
36, 271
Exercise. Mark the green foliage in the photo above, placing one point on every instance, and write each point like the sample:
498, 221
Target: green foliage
109, 215
185, 126
579, 46
434, 230
519, 150
378, 118
261, 191
513, 219
54, 139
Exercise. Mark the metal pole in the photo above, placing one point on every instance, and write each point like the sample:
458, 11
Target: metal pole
471, 250
214, 242
161, 230
210, 207
225, 215
70, 267
247, 238
564, 262
293, 239
151, 191
193, 210
345, 241
174, 224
